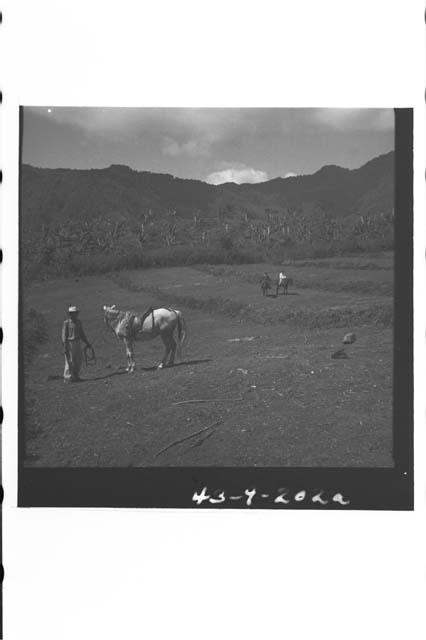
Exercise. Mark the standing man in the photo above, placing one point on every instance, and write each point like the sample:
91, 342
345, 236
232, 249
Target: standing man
265, 283
266, 278
72, 334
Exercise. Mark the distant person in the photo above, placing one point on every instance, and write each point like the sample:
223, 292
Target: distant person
283, 282
72, 335
265, 283
281, 279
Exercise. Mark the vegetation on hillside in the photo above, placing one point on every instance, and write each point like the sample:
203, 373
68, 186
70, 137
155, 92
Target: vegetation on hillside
76, 222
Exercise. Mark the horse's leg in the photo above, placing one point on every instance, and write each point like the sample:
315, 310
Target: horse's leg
129, 351
127, 354
166, 340
132, 359
173, 350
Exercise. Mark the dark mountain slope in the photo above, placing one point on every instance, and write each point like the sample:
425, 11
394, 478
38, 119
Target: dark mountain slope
337, 190
51, 196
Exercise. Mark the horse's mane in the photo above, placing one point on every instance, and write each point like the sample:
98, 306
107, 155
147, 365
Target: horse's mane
125, 323
114, 316
112, 312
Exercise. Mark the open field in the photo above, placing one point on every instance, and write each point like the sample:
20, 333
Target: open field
279, 397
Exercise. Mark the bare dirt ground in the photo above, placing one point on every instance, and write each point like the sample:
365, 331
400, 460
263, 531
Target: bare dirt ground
277, 395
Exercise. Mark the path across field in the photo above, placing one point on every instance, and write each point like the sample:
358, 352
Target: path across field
277, 396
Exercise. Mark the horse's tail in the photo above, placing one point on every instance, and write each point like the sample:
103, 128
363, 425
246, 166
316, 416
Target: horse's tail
182, 333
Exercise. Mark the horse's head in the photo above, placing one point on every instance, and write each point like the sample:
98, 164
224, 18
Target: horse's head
110, 313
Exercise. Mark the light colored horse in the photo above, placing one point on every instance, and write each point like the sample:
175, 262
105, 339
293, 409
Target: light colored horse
283, 282
130, 327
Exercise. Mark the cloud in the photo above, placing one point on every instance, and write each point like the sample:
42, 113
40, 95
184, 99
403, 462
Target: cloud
187, 132
290, 174
190, 142
193, 148
93, 118
239, 174
171, 147
213, 123
355, 119
210, 125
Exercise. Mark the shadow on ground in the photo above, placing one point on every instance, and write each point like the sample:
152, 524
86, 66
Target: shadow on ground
279, 295
122, 371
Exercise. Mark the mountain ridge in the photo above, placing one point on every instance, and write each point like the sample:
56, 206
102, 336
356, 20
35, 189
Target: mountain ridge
49, 196
120, 166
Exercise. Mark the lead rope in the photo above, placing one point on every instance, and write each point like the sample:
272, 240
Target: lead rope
90, 359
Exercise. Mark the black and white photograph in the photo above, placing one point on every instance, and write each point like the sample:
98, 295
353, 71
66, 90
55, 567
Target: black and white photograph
208, 288
212, 281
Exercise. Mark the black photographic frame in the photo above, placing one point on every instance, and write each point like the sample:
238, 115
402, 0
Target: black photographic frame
266, 487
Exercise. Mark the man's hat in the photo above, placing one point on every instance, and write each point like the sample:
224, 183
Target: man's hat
73, 310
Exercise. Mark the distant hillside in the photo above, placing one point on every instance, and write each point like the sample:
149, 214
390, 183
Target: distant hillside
339, 191
66, 213
52, 195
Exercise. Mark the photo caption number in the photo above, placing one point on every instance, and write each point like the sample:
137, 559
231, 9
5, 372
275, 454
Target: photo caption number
285, 496
340, 499
218, 497
281, 498
318, 498
201, 497
250, 493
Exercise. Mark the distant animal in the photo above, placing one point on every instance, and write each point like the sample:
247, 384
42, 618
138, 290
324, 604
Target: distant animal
283, 283
266, 284
130, 327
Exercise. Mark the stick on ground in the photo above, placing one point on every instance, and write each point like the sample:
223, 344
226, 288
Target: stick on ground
191, 435
200, 442
209, 400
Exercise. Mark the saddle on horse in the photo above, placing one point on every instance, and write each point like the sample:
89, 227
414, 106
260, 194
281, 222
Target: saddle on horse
132, 323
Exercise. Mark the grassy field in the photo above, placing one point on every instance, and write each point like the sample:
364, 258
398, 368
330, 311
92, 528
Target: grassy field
278, 396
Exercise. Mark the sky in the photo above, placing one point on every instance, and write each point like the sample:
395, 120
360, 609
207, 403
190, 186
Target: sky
213, 145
